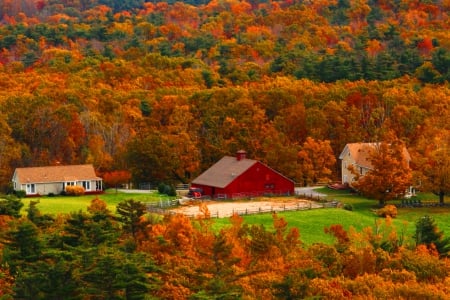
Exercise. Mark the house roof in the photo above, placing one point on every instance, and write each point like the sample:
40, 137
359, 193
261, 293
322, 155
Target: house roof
223, 172
361, 152
55, 174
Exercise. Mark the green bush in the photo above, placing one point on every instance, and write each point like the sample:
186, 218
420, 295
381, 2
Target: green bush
166, 189
348, 207
20, 194
170, 190
161, 188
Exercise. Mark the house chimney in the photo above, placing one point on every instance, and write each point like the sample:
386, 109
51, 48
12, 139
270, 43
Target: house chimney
240, 154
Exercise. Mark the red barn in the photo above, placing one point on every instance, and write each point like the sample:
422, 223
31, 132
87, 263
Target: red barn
235, 177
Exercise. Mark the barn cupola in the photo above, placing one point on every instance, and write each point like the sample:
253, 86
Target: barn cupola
240, 155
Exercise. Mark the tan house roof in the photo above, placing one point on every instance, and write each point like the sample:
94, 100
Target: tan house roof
55, 174
223, 172
361, 152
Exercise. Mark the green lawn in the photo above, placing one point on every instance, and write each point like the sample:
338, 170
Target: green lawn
66, 204
311, 223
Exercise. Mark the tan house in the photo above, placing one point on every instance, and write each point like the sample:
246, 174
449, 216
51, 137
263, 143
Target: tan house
358, 156
55, 179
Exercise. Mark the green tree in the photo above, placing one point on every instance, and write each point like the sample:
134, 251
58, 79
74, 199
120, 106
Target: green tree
115, 276
35, 216
22, 246
88, 230
11, 206
51, 278
428, 233
130, 213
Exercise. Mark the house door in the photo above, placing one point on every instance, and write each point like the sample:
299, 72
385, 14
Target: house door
31, 189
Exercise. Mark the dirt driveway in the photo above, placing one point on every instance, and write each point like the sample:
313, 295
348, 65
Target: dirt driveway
221, 209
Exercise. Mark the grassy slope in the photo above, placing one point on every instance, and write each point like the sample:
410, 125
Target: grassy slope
312, 223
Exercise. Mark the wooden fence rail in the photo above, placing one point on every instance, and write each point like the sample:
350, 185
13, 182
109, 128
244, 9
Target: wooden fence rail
157, 208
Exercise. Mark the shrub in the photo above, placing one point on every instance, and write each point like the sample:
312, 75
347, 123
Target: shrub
170, 190
348, 207
388, 210
20, 194
161, 188
166, 189
74, 190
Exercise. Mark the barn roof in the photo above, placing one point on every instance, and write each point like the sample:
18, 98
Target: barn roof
223, 172
56, 174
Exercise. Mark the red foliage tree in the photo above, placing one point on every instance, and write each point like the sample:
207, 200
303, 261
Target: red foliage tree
115, 178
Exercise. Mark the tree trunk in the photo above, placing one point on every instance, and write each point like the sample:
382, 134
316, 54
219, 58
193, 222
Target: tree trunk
441, 197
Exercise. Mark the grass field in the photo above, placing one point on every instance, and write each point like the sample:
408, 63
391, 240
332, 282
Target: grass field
66, 204
311, 223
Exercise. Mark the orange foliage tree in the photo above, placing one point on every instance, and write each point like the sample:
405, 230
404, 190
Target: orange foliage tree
390, 175
315, 160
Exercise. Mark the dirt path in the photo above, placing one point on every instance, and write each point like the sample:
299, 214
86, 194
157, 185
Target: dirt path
220, 209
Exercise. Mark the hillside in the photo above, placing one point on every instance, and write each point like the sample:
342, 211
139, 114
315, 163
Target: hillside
166, 89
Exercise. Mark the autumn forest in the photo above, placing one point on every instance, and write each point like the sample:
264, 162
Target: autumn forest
165, 89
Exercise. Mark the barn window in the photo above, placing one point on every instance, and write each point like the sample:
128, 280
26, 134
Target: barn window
269, 186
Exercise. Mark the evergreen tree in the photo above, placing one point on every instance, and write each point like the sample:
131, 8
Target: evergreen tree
11, 206
427, 233
130, 212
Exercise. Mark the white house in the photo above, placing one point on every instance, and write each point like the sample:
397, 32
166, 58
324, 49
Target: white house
358, 156
54, 179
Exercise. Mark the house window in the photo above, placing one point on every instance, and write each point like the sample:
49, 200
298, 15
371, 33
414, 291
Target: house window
69, 183
98, 185
86, 185
31, 188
